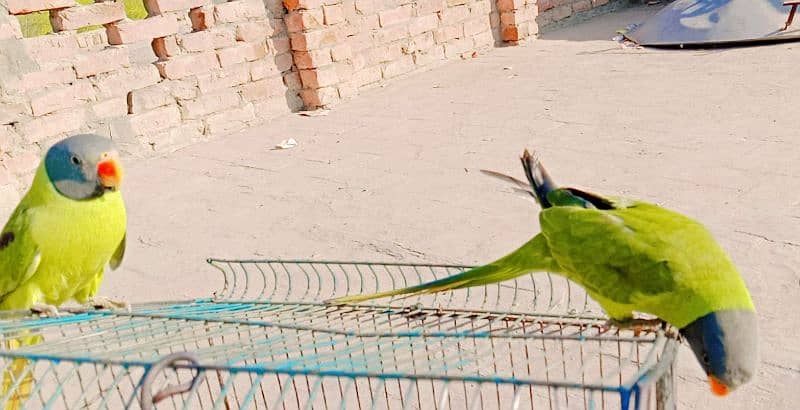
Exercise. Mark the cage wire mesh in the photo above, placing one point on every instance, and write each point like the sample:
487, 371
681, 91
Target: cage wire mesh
267, 340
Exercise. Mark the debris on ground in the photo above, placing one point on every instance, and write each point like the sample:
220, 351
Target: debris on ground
286, 144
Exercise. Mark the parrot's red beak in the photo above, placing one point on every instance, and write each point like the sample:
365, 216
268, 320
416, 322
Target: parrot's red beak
717, 387
109, 172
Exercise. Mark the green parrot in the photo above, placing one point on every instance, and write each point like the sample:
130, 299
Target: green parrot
630, 256
69, 225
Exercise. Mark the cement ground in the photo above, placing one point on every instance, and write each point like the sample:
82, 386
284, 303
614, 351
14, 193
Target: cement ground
392, 175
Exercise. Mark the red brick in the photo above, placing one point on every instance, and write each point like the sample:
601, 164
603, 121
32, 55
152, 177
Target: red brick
293, 5
54, 99
395, 16
240, 10
314, 40
187, 65
509, 33
202, 18
251, 31
508, 5
319, 77
508, 18
30, 6
103, 61
166, 47
422, 24
74, 18
304, 20
334, 14
163, 6
311, 59
128, 32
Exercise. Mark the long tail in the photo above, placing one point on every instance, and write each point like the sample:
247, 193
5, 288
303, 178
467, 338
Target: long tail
533, 256
18, 375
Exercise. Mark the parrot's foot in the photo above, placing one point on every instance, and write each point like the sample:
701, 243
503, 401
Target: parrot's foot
100, 302
637, 325
45, 309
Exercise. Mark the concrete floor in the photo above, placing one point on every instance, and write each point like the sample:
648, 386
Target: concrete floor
392, 175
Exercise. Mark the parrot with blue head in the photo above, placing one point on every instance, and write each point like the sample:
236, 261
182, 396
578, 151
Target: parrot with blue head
55, 246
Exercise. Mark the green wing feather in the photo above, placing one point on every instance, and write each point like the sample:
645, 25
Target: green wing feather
119, 254
19, 254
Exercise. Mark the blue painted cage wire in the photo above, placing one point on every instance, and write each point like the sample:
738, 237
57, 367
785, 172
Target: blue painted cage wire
267, 341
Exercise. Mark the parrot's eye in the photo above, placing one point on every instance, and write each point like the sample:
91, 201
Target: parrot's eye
705, 358
75, 160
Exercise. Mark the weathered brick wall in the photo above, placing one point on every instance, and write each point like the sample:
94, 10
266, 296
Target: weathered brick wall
191, 69
342, 46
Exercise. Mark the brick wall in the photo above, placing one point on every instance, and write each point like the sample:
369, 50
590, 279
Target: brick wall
198, 68
342, 46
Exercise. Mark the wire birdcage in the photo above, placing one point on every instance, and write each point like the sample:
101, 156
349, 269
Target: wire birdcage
268, 341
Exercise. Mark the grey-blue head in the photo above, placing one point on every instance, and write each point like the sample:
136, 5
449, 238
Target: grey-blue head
726, 345
83, 166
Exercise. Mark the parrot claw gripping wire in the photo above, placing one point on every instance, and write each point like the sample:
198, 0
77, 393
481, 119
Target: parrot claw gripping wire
106, 303
148, 400
45, 309
636, 324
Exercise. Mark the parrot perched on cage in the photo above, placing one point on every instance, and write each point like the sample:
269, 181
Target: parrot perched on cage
69, 225
629, 256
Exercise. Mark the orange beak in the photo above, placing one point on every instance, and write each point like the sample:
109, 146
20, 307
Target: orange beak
717, 387
110, 173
